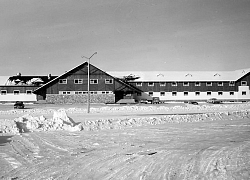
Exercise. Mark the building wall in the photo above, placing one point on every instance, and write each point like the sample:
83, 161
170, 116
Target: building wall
24, 93
224, 92
81, 73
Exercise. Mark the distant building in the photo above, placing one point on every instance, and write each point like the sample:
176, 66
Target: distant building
110, 87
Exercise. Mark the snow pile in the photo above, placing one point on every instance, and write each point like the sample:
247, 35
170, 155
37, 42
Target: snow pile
29, 123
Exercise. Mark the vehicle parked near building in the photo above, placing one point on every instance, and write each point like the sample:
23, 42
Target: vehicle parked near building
214, 101
19, 105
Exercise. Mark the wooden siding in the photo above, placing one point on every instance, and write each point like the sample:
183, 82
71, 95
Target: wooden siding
244, 78
181, 88
22, 89
82, 73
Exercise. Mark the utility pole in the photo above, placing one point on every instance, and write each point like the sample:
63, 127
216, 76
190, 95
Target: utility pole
88, 99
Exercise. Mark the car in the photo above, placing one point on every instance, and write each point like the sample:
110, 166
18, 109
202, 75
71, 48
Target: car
19, 105
214, 101
156, 100
191, 102
145, 101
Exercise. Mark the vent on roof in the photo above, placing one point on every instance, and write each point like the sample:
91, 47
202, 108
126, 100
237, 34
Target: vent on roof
190, 75
160, 75
243, 71
216, 74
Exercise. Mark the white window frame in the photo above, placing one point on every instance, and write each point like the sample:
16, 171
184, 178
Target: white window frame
197, 83
92, 81
174, 93
173, 83
231, 83
243, 93
78, 81
197, 93
220, 84
66, 92
27, 92
185, 93
3, 92
109, 81
162, 84
151, 84
243, 83
138, 84
15, 93
185, 83
209, 84
220, 93
150, 93
231, 93
162, 93
63, 81
209, 93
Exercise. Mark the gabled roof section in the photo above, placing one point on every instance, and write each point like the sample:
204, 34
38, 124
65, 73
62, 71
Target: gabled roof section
58, 77
147, 76
85, 63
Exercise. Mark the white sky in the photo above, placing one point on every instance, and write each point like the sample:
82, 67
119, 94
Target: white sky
38, 37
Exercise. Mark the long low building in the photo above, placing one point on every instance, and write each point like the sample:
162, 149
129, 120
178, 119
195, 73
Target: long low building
110, 87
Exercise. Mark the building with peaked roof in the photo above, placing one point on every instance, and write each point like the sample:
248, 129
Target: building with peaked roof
110, 87
71, 87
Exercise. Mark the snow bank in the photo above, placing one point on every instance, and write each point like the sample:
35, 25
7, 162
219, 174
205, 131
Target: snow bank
61, 121
29, 123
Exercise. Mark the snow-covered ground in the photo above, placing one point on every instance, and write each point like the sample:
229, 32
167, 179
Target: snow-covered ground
167, 141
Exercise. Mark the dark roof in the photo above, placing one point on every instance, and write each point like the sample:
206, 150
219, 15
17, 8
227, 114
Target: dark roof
25, 79
68, 72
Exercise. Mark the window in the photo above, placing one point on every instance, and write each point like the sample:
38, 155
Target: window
244, 93
186, 84
3, 92
197, 84
174, 93
185, 93
62, 81
138, 84
231, 93
150, 93
150, 84
197, 93
29, 92
65, 92
209, 84
78, 81
174, 83
220, 93
220, 83
93, 81
209, 93
93, 92
231, 83
162, 84
162, 93
243, 83
108, 81
16, 92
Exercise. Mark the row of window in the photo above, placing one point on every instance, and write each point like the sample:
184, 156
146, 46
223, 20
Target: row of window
15, 92
232, 83
80, 81
85, 92
197, 93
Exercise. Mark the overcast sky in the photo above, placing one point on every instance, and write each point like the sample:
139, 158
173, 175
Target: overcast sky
38, 37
